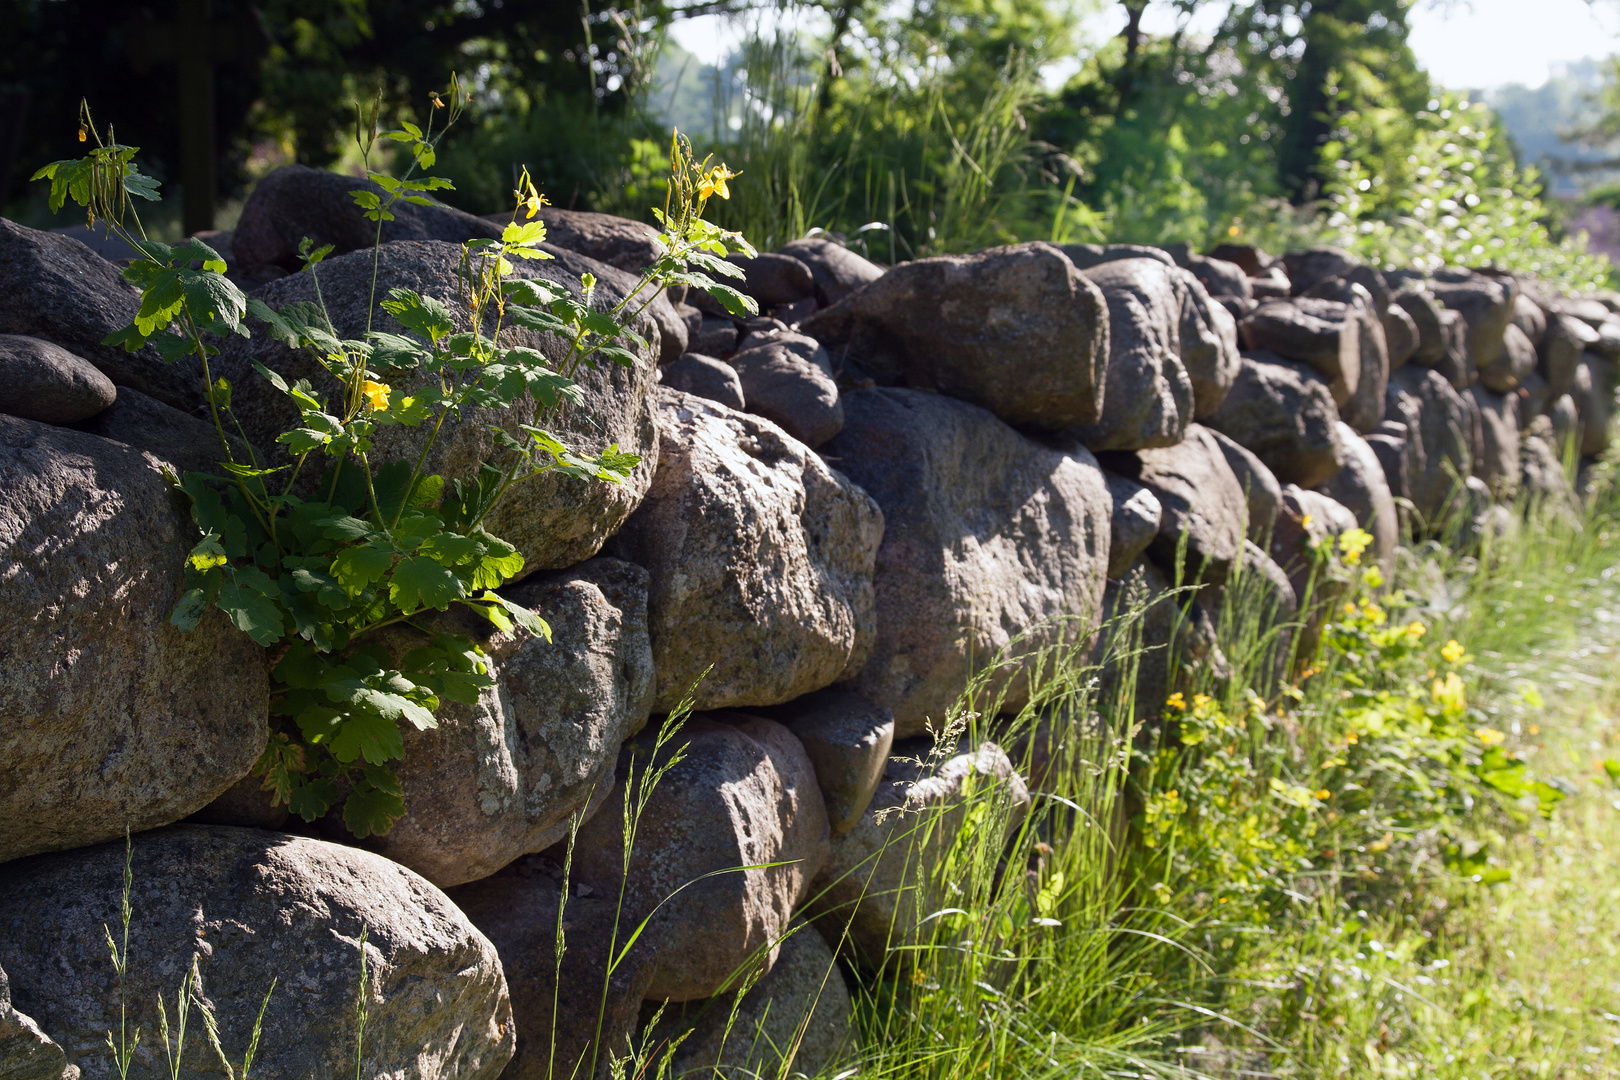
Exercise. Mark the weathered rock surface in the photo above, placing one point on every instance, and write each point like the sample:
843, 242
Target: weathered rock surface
553, 520
1258, 482
836, 270
1542, 476
627, 245
1134, 524
1486, 305
885, 876
44, 382
847, 737
1400, 335
774, 278
1529, 317
988, 536
502, 778
1365, 299
296, 201
1514, 362
145, 423
1283, 412
1360, 487
254, 907
1443, 433
1219, 277
1560, 352
1308, 518
1306, 268
114, 717
62, 292
793, 392
26, 1052
557, 1033
1201, 499
1149, 394
1592, 394
1209, 346
705, 377
1322, 333
1565, 420
1498, 466
1016, 330
797, 1020
743, 795
1442, 336
1086, 256
761, 560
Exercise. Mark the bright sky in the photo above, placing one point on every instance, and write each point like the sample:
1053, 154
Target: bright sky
1465, 44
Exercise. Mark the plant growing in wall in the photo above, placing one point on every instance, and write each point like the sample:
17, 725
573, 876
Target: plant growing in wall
312, 558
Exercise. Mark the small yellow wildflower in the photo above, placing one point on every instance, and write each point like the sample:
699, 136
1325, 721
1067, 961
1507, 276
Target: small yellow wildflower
714, 183
376, 394
1453, 651
438, 102
1200, 700
1305, 522
1415, 630
1350, 608
1489, 736
1535, 729
1323, 794
1176, 701
84, 132
1352, 738
530, 199
1352, 543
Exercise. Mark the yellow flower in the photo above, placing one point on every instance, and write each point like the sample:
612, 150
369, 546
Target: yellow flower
1176, 701
84, 132
1453, 652
376, 394
438, 102
1415, 630
1352, 738
1535, 729
714, 183
1324, 794
1489, 736
1305, 522
530, 199
1353, 542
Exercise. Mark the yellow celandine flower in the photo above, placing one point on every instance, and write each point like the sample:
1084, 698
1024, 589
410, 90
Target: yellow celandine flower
530, 199
1176, 701
714, 182
1324, 793
1489, 736
1351, 739
1453, 652
376, 394
1352, 543
1305, 522
438, 102
1415, 630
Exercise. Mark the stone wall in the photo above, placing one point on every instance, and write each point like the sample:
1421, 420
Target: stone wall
850, 505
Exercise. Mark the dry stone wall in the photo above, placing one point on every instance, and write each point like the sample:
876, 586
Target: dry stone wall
850, 506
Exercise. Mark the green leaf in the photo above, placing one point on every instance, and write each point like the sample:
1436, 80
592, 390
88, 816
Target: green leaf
189, 611
312, 799
359, 566
212, 300
419, 581
130, 337
519, 614
254, 614
733, 301
370, 735
372, 807
423, 314
451, 549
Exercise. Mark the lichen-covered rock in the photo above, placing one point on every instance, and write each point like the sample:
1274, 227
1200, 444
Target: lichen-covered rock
1016, 330
705, 377
572, 1033
295, 202
1360, 487
797, 1020
554, 520
761, 561
1204, 506
45, 382
847, 737
1086, 256
26, 1052
1134, 524
255, 907
58, 290
114, 718
1283, 412
503, 777
989, 536
744, 794
836, 270
887, 874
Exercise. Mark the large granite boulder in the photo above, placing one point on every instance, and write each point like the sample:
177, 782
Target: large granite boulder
1312, 265
114, 718
1326, 334
1134, 524
993, 542
504, 777
26, 1052
847, 737
630, 246
730, 838
1443, 432
554, 520
1486, 305
761, 559
1259, 483
1205, 508
188, 443
890, 872
295, 202
1400, 335
835, 270
1365, 408
1361, 488
45, 382
254, 908
1442, 336
1283, 412
1016, 330
570, 1014
62, 292
792, 391
1086, 256
774, 278
1498, 466
797, 1020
